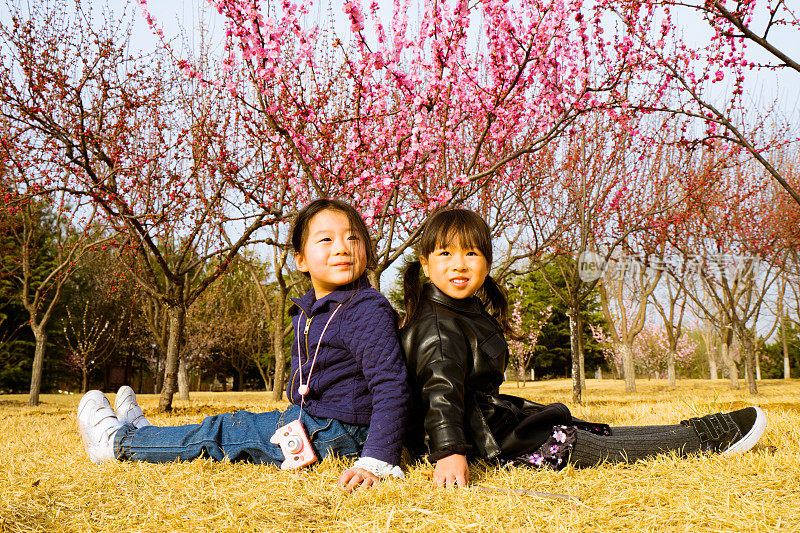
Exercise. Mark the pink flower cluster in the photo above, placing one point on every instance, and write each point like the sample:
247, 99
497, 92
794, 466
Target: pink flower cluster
429, 110
650, 349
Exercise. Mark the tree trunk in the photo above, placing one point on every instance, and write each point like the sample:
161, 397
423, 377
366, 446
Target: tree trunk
84, 380
240, 373
270, 378
787, 372
628, 368
671, 368
177, 315
262, 373
183, 381
750, 373
581, 363
374, 278
733, 372
574, 352
758, 367
158, 382
712, 364
749, 364
279, 381
40, 335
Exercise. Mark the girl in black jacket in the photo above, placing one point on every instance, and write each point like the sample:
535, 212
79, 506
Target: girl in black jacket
454, 341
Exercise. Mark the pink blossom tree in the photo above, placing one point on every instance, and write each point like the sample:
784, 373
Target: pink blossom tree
615, 182
403, 118
654, 347
670, 302
734, 246
47, 246
624, 298
162, 159
89, 339
703, 74
648, 351
529, 328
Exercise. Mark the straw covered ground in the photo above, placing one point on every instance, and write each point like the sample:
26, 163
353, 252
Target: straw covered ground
48, 484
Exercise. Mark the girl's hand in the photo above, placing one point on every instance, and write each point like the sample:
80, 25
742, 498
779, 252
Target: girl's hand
451, 471
354, 477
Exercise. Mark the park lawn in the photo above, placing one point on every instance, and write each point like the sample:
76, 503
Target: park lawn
48, 484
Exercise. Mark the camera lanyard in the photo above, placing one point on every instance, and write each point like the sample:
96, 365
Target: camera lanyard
302, 388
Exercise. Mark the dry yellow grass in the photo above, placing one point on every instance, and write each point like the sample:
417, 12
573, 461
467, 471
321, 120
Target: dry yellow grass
48, 484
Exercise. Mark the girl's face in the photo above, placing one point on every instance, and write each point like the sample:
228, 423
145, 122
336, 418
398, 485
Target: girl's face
333, 255
458, 272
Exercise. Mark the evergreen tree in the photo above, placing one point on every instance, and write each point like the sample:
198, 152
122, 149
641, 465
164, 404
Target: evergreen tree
552, 355
17, 342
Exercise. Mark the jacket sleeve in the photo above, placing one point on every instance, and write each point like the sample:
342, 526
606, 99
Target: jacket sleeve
442, 363
371, 336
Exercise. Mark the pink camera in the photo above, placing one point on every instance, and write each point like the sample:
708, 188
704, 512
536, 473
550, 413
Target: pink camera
294, 443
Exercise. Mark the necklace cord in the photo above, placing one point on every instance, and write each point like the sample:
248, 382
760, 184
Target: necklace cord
304, 386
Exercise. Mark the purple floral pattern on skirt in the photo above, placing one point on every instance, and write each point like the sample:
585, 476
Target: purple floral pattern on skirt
554, 453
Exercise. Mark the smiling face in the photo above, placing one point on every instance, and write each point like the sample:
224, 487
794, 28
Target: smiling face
455, 270
333, 254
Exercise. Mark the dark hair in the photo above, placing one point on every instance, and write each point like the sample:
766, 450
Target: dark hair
300, 224
468, 229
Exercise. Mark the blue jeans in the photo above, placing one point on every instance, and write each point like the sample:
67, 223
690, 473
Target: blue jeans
239, 436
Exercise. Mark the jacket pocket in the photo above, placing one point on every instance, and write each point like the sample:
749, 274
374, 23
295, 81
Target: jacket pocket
494, 346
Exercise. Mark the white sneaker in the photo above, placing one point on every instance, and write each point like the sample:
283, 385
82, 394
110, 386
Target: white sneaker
98, 426
128, 411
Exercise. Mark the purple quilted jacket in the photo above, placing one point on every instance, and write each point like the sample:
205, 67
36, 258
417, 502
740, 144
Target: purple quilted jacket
359, 376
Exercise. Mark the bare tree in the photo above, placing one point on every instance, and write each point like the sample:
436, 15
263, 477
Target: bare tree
629, 292
90, 341
671, 305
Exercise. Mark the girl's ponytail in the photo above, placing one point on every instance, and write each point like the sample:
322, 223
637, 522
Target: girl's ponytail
494, 297
412, 289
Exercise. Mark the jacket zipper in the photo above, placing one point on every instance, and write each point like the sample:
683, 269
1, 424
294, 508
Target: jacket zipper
305, 333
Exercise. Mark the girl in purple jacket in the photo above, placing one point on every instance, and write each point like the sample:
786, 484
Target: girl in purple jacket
347, 385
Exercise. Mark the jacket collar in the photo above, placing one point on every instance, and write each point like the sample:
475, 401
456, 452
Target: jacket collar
470, 305
309, 303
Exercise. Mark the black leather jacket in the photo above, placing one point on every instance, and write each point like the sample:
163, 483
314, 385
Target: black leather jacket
456, 355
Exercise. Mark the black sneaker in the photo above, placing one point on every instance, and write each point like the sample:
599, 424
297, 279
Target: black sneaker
729, 433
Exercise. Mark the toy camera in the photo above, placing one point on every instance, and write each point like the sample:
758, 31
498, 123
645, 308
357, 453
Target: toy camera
294, 443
